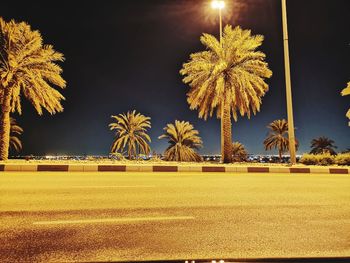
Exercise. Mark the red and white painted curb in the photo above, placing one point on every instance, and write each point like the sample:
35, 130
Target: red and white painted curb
169, 168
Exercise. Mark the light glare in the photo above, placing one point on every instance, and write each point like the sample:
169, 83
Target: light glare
218, 4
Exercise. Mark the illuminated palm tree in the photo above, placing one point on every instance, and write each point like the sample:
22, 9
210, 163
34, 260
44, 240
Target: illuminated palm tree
227, 79
131, 133
183, 140
278, 137
27, 68
345, 92
15, 131
323, 145
239, 152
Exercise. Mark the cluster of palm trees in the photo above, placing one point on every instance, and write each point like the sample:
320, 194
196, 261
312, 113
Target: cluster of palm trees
227, 79
131, 137
278, 139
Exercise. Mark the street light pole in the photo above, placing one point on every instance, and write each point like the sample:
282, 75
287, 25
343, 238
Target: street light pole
220, 17
220, 4
291, 134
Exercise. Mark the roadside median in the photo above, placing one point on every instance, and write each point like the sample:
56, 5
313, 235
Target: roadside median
217, 168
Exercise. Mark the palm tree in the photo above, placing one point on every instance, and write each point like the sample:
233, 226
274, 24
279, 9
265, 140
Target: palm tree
239, 152
28, 68
15, 131
278, 137
345, 92
227, 79
323, 145
183, 140
131, 133
347, 150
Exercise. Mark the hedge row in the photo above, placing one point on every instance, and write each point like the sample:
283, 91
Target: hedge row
326, 159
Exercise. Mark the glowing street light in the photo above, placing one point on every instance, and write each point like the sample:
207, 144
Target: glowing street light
219, 4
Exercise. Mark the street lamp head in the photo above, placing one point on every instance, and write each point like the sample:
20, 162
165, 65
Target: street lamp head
218, 4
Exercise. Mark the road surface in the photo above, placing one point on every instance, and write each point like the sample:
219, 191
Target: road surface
66, 217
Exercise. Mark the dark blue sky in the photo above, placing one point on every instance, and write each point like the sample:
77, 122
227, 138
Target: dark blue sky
125, 55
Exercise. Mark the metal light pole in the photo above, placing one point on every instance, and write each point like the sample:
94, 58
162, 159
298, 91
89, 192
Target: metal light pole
220, 5
291, 134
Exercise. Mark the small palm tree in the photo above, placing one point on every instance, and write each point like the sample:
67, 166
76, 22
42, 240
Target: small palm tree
27, 69
347, 150
239, 152
323, 145
183, 140
278, 137
15, 131
131, 133
228, 79
345, 92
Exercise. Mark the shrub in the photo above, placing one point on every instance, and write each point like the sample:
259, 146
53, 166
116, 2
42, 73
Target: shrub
117, 156
317, 159
239, 153
325, 159
343, 159
308, 159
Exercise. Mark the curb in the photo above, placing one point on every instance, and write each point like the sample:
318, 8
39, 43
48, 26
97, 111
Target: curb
166, 168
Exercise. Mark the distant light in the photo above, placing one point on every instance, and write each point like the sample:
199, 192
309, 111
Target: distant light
217, 4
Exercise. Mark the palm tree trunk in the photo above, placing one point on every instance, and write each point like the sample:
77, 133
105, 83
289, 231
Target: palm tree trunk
129, 150
226, 133
280, 155
5, 126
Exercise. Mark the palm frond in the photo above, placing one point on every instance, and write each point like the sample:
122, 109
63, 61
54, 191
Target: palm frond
235, 70
322, 145
278, 136
239, 152
29, 67
183, 140
131, 133
15, 132
345, 92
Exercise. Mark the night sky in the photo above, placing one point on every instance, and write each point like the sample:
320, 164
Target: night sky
125, 55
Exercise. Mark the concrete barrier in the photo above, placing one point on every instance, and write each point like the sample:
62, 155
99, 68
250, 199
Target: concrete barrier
12, 167
90, 168
213, 169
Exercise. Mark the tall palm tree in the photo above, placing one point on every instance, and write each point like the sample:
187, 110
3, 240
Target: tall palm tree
131, 133
345, 92
183, 140
323, 145
278, 137
28, 68
15, 131
227, 79
239, 152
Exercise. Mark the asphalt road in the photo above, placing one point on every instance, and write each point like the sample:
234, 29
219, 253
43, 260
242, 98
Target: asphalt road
66, 217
